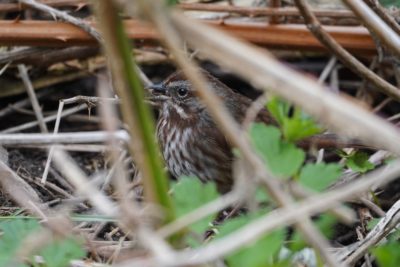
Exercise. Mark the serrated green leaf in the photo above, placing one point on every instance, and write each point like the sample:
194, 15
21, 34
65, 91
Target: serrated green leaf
284, 159
318, 176
261, 252
279, 109
358, 162
295, 129
190, 193
294, 126
60, 252
12, 234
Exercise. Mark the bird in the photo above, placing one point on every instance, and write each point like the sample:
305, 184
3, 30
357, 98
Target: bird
190, 141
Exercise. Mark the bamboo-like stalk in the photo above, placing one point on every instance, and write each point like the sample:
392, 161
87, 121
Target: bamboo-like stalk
135, 112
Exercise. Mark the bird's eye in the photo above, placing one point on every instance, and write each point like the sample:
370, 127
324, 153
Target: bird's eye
182, 92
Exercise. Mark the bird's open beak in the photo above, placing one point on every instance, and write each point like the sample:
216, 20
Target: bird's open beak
157, 93
157, 89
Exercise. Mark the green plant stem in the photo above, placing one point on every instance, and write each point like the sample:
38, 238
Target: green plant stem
136, 114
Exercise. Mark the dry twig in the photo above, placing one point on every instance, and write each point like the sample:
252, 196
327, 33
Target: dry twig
347, 59
375, 24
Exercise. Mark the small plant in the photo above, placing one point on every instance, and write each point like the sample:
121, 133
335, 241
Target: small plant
58, 253
286, 161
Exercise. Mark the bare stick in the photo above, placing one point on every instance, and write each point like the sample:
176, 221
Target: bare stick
57, 124
327, 70
220, 203
51, 150
66, 165
381, 230
264, 11
46, 119
383, 14
253, 111
19, 104
81, 24
65, 17
347, 59
67, 147
32, 96
65, 138
375, 24
18, 190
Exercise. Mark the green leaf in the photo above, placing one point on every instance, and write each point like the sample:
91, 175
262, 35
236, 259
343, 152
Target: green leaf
190, 193
325, 223
387, 255
172, 2
284, 159
358, 162
261, 195
60, 252
318, 176
294, 127
390, 3
13, 233
261, 252
56, 254
279, 109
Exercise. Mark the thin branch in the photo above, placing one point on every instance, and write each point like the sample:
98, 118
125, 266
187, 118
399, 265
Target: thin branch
77, 178
32, 96
380, 231
18, 189
19, 104
63, 138
327, 70
51, 149
81, 24
212, 207
14, 7
347, 59
64, 16
45, 119
376, 25
383, 14
264, 11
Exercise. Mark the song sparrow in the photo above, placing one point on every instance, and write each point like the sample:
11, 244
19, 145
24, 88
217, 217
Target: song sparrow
190, 141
